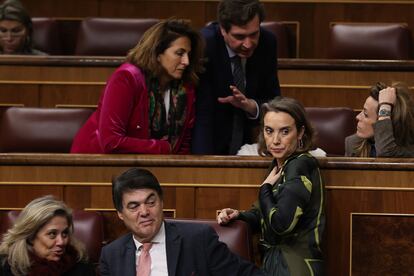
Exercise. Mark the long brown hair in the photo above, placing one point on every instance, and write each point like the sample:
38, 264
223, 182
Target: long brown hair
402, 117
158, 38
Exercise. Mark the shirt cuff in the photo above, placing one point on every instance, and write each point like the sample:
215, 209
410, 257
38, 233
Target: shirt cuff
257, 113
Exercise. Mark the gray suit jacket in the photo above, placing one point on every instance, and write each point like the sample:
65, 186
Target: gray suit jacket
192, 249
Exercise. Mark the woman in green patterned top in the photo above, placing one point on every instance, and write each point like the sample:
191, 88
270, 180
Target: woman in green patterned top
290, 210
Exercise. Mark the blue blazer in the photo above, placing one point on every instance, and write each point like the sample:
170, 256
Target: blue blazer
192, 249
213, 127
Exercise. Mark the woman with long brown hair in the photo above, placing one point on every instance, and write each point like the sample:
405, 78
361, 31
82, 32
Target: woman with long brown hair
385, 125
148, 103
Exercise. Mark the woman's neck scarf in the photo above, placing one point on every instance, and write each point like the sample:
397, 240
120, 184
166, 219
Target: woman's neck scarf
160, 127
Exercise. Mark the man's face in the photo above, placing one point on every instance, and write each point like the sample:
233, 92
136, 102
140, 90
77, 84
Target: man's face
142, 213
243, 40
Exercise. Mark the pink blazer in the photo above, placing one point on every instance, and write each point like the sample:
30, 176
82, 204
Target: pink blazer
121, 124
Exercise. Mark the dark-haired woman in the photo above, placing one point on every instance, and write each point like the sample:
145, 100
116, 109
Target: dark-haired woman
148, 103
289, 213
16, 30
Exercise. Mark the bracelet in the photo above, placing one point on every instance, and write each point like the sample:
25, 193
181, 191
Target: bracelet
387, 103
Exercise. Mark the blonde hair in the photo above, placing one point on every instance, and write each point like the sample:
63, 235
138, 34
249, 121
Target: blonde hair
16, 243
158, 38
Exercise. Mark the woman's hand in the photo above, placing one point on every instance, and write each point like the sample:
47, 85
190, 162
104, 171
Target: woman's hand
387, 95
386, 101
226, 215
273, 176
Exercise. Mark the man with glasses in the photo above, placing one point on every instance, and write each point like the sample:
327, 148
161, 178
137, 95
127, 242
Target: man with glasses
241, 74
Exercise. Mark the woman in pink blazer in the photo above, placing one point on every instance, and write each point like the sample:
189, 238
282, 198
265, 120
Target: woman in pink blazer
148, 103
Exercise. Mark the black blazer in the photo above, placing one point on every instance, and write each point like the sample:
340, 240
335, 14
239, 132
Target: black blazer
192, 249
213, 127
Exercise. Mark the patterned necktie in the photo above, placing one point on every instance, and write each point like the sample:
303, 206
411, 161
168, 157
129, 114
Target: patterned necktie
238, 117
238, 73
144, 261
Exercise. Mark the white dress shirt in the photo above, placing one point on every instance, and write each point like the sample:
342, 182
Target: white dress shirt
158, 253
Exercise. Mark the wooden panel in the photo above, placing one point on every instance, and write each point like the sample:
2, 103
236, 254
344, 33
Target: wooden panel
16, 196
59, 95
21, 95
76, 81
342, 202
388, 251
197, 186
314, 16
209, 200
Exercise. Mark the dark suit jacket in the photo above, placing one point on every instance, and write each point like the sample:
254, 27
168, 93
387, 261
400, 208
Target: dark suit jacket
192, 249
213, 127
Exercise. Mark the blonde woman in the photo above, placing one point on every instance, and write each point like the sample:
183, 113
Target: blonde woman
41, 243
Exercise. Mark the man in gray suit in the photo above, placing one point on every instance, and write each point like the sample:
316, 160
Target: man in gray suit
175, 248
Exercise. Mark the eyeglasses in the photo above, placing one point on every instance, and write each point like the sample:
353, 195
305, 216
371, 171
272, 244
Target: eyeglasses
13, 33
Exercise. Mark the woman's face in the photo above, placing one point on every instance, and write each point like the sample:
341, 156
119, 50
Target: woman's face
281, 135
12, 36
175, 59
51, 240
366, 118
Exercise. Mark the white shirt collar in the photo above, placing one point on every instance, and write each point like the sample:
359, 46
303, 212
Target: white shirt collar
230, 52
159, 237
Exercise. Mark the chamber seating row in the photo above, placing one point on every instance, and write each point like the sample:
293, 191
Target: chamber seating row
89, 227
115, 36
53, 129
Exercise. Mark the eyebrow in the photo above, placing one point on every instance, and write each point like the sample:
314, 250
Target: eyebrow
138, 202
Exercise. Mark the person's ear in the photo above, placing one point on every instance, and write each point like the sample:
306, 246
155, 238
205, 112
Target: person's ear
301, 132
120, 215
222, 31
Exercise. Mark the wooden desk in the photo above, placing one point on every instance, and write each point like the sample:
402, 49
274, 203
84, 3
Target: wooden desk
78, 81
369, 202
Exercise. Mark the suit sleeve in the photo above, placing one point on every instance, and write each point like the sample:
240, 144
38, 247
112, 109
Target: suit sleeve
272, 86
222, 261
283, 210
103, 263
203, 129
252, 217
121, 96
385, 144
269, 86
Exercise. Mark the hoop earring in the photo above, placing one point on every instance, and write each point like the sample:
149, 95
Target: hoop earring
300, 142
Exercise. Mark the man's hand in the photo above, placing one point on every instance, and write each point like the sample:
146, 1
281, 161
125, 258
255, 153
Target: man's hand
239, 100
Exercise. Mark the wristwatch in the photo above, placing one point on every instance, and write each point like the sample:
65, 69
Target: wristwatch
384, 113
